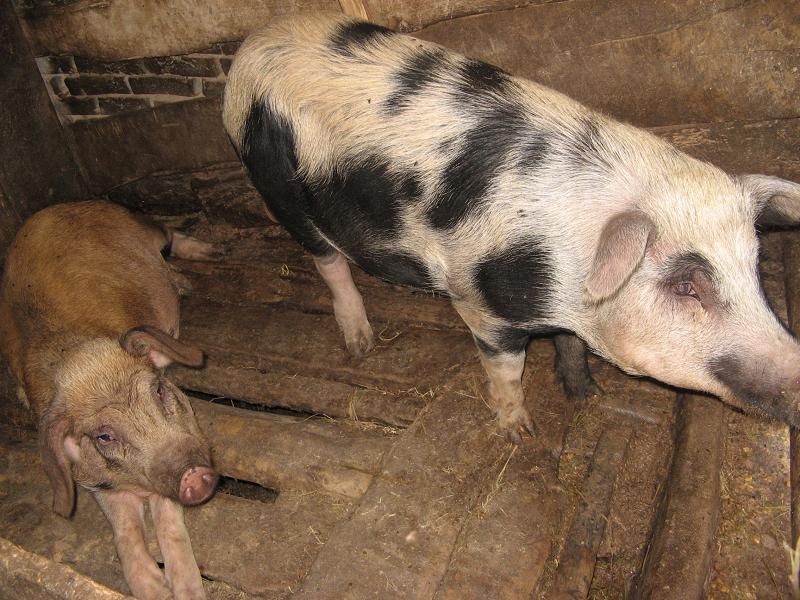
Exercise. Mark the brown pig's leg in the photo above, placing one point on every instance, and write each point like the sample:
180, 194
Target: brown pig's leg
176, 548
125, 511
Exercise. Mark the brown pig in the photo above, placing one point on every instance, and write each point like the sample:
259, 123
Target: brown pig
88, 321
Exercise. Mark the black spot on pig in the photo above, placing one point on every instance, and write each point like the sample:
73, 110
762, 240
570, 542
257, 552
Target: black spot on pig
411, 186
483, 155
478, 76
515, 282
506, 340
268, 153
362, 202
417, 72
396, 268
755, 388
358, 34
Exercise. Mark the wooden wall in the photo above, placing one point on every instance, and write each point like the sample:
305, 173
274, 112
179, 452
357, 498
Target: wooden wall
37, 167
711, 65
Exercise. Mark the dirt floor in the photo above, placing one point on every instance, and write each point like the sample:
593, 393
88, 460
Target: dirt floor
385, 477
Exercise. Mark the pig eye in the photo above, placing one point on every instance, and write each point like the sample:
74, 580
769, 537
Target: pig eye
105, 438
684, 288
162, 392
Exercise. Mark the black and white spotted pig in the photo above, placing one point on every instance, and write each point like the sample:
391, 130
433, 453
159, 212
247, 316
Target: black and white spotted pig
532, 212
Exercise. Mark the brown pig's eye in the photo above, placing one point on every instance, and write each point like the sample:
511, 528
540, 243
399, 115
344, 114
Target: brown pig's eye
105, 438
684, 288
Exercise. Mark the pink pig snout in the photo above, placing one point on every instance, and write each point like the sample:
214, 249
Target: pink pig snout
197, 485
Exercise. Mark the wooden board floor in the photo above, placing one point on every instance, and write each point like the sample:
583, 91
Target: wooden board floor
385, 477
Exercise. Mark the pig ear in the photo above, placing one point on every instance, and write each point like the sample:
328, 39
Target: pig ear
160, 347
777, 201
621, 248
53, 429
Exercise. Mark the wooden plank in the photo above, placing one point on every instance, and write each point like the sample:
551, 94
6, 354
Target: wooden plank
399, 538
768, 147
451, 494
185, 136
254, 355
263, 549
246, 377
36, 165
28, 576
508, 535
661, 64
293, 453
289, 277
411, 15
149, 27
573, 576
683, 544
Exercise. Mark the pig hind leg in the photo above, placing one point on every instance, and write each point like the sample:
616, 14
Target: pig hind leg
572, 368
502, 355
348, 307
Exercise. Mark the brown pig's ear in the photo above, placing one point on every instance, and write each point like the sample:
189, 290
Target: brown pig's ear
777, 201
160, 347
53, 429
621, 248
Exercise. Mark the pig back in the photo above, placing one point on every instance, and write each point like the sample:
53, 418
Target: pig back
88, 269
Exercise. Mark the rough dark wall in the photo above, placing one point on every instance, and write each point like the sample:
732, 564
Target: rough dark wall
36, 165
123, 29
655, 63
178, 137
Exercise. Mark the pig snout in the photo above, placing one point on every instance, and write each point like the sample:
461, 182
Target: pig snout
197, 485
770, 385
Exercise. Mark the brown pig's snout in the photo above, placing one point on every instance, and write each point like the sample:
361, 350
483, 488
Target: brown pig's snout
197, 485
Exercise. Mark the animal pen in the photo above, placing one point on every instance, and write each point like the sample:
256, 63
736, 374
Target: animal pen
385, 476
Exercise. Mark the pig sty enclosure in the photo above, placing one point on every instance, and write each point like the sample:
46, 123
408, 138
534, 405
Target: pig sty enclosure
385, 477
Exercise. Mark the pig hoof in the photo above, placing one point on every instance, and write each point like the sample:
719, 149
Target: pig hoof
580, 391
361, 343
184, 246
515, 424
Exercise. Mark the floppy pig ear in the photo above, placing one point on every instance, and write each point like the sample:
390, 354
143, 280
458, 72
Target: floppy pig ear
777, 201
619, 251
160, 347
53, 429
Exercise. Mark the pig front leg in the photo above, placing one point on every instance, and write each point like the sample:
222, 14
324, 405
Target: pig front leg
348, 307
125, 512
182, 573
572, 368
502, 353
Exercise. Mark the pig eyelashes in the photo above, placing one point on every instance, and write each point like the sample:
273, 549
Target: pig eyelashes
684, 288
105, 437
690, 275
